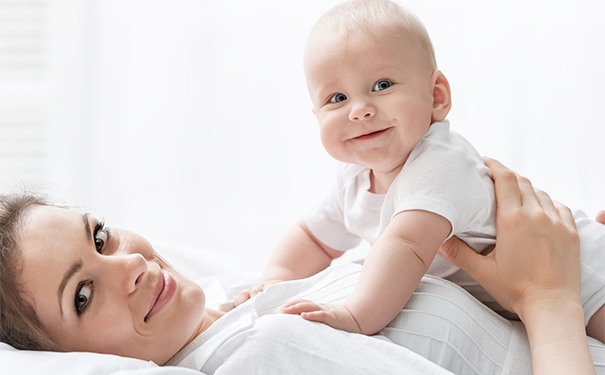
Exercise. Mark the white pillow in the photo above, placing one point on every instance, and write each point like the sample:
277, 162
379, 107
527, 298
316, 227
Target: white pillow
33, 362
25, 362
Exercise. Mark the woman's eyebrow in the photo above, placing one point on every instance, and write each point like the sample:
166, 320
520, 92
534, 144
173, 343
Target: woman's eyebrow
87, 227
76, 266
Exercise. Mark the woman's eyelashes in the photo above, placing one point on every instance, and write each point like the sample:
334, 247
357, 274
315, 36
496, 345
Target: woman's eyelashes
86, 289
100, 236
84, 294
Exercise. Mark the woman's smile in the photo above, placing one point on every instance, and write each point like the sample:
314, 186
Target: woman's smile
164, 291
138, 297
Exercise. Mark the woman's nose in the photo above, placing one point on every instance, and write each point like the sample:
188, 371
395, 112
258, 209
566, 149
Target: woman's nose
362, 111
132, 270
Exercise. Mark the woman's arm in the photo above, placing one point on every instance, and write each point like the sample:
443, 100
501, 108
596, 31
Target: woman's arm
534, 271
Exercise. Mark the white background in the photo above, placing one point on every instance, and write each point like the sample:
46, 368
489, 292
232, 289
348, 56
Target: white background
189, 121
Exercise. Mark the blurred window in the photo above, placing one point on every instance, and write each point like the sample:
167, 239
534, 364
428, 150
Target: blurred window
23, 89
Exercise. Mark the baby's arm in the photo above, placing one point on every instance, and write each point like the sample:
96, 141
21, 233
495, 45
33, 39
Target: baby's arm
298, 254
392, 270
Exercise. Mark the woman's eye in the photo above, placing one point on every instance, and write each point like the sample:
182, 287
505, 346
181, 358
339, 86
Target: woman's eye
100, 235
83, 294
382, 85
337, 98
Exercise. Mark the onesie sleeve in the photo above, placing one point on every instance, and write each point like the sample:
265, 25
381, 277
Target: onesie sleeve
445, 175
327, 219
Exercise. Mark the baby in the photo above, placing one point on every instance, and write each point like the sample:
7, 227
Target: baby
407, 183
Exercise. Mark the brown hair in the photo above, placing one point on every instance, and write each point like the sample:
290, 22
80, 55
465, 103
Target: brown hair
20, 327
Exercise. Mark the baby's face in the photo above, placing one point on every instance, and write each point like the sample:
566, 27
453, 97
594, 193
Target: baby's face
372, 95
105, 291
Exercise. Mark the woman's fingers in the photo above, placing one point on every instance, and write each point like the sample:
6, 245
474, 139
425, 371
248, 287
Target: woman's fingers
566, 216
547, 204
508, 194
459, 253
529, 199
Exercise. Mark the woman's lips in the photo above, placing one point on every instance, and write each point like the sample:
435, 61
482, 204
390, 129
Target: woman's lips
163, 293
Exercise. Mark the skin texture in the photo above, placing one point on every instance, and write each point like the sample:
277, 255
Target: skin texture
124, 269
534, 271
346, 78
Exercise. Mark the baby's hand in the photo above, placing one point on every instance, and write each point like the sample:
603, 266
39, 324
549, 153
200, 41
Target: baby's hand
246, 294
336, 316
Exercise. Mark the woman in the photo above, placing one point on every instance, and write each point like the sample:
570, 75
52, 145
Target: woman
101, 290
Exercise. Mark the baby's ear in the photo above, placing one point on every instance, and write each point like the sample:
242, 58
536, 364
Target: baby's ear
442, 97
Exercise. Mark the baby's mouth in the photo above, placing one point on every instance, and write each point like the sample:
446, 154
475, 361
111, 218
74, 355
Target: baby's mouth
371, 134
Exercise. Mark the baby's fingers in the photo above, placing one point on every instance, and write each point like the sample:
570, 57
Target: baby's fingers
241, 298
300, 306
247, 294
309, 311
319, 316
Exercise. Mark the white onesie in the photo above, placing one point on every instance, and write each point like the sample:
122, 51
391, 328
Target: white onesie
444, 174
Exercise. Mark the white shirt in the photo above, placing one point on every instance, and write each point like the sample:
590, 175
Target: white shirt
440, 322
444, 174
255, 338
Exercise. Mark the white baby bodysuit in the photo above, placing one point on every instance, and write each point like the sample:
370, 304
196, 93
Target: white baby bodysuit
444, 174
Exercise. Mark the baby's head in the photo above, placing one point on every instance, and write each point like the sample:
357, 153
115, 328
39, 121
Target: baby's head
374, 83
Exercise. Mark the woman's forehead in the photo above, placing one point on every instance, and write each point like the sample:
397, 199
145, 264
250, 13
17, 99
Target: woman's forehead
47, 239
44, 221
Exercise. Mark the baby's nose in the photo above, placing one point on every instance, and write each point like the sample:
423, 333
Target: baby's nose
362, 113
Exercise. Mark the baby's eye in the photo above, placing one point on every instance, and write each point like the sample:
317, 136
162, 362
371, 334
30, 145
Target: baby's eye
337, 98
100, 235
83, 294
382, 85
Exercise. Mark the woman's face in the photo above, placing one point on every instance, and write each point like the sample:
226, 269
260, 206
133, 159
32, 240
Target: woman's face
105, 291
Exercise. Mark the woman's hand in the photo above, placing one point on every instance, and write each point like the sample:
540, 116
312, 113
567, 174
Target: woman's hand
534, 271
536, 259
